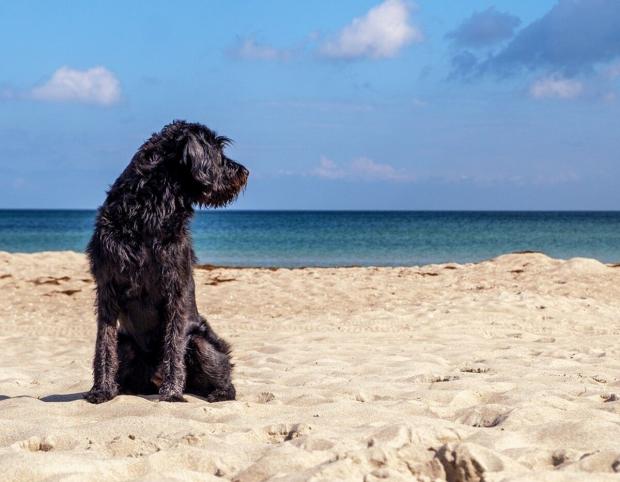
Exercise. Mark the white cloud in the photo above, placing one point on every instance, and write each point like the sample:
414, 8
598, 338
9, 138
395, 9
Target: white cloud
361, 168
93, 86
249, 48
381, 33
555, 86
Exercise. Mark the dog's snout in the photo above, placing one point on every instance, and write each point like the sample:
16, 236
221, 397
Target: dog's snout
242, 171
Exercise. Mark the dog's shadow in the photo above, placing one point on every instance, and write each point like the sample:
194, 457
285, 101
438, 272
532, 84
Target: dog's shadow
63, 397
56, 398
72, 397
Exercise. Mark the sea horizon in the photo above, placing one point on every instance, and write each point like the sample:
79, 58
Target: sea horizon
229, 209
339, 238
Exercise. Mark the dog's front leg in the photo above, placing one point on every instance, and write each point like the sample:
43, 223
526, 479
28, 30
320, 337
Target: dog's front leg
175, 344
105, 363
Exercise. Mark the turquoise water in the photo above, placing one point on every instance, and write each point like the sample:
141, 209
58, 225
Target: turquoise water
344, 238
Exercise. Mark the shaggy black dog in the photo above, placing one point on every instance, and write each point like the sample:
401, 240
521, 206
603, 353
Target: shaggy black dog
150, 336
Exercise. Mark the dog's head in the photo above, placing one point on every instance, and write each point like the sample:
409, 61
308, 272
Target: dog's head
196, 158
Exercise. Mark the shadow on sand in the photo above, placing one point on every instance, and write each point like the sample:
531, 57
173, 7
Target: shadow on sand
72, 397
66, 397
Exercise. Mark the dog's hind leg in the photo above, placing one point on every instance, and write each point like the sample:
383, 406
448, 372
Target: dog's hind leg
205, 329
135, 374
209, 371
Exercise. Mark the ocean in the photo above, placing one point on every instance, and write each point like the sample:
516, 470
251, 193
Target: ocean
346, 238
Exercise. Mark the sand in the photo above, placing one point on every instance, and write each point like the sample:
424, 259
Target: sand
503, 370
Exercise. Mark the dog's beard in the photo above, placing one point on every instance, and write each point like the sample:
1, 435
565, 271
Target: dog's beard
225, 192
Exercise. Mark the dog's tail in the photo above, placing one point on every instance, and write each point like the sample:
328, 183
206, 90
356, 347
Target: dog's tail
220, 344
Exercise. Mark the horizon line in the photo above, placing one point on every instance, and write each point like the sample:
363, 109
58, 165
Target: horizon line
2, 209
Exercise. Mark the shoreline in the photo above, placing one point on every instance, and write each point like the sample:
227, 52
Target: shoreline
213, 267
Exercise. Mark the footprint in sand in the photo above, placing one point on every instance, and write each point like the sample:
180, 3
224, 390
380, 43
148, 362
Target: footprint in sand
283, 432
485, 416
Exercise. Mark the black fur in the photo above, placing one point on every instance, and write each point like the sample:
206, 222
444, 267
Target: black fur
150, 336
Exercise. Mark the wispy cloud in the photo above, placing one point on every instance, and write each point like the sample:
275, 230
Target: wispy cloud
498, 179
360, 169
613, 71
328, 169
381, 33
8, 93
248, 48
485, 28
367, 170
93, 86
327, 106
555, 86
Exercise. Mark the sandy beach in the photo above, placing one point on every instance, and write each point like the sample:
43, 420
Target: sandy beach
506, 370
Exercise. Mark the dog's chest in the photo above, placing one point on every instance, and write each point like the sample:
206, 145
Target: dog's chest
141, 316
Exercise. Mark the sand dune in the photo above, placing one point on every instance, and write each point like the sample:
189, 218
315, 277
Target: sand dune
503, 370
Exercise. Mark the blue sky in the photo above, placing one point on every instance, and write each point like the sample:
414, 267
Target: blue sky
392, 104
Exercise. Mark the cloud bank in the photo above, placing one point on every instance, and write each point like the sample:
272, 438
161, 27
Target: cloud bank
573, 38
485, 28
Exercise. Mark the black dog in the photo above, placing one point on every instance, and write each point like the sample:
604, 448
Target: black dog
150, 336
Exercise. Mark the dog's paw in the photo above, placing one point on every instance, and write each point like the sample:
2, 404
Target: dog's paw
169, 394
222, 394
171, 397
99, 396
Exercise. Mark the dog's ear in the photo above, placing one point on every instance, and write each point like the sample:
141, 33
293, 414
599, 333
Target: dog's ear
194, 151
199, 157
